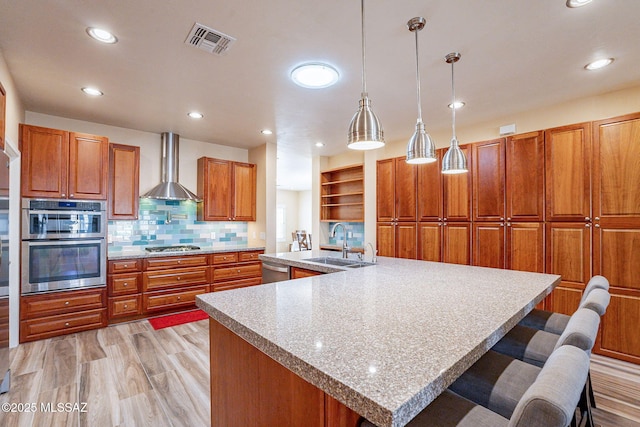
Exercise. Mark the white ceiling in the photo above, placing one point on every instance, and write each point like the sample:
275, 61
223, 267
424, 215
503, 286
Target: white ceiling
517, 55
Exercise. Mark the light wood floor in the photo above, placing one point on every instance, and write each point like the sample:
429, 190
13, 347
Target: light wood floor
131, 375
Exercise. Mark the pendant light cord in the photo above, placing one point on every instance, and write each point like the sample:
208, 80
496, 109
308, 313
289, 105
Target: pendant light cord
364, 77
418, 79
453, 103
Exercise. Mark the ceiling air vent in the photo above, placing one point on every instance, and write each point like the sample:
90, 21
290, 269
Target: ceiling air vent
208, 39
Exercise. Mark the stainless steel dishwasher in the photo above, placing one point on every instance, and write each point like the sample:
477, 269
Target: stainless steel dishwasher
274, 272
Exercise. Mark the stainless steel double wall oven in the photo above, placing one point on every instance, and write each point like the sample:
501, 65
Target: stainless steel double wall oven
63, 244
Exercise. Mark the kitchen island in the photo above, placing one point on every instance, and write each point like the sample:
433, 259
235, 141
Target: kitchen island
380, 341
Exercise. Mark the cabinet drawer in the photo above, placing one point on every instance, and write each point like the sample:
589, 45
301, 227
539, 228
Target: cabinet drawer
163, 279
249, 256
61, 302
129, 305
158, 301
184, 261
298, 273
124, 266
237, 272
224, 286
122, 284
224, 258
51, 326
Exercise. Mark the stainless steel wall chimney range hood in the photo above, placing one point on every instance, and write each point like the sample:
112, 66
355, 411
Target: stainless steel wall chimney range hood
170, 188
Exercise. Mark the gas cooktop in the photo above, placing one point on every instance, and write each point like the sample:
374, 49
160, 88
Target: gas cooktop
177, 248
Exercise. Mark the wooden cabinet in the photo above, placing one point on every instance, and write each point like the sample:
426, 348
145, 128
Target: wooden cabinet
227, 189
396, 190
525, 246
397, 239
616, 243
568, 173
342, 194
524, 177
489, 244
232, 270
124, 182
457, 192
61, 164
488, 180
298, 273
429, 191
58, 313
124, 288
430, 241
456, 248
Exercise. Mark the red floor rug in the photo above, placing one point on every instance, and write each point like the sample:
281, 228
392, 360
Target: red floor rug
177, 319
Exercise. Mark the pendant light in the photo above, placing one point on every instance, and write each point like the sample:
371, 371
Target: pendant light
421, 148
365, 131
454, 160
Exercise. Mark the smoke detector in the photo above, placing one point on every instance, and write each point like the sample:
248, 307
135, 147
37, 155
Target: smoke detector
208, 39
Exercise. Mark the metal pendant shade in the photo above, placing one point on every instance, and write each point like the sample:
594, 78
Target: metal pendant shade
454, 160
421, 148
365, 131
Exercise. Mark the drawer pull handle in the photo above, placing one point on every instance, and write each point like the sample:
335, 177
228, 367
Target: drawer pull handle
224, 257
125, 284
179, 298
238, 270
179, 278
179, 261
67, 324
125, 265
126, 306
66, 303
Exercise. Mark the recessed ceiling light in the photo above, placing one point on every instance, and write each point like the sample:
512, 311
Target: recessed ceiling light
319, 144
92, 91
600, 63
103, 36
577, 3
195, 115
457, 105
315, 75
266, 132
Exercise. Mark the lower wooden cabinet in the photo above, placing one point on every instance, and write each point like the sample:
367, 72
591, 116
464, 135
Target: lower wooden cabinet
430, 241
397, 239
51, 314
127, 305
512, 245
170, 300
456, 248
299, 273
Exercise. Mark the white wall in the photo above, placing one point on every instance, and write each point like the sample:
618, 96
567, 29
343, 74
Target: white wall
14, 116
288, 199
304, 210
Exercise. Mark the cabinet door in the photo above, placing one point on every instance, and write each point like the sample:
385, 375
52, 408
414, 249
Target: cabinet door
525, 246
124, 181
386, 239
488, 180
406, 243
457, 243
214, 187
525, 177
88, 166
568, 172
45, 155
406, 178
457, 192
488, 244
568, 255
385, 190
244, 192
429, 190
616, 171
430, 241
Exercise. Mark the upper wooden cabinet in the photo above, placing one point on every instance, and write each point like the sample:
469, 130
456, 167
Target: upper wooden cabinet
124, 181
342, 194
568, 172
61, 164
488, 180
429, 191
227, 189
396, 190
524, 176
457, 192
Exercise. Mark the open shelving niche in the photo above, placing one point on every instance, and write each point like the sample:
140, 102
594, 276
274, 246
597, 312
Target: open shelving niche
342, 194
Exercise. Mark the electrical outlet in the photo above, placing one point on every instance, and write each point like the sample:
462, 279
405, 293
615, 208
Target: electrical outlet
254, 234
213, 235
263, 235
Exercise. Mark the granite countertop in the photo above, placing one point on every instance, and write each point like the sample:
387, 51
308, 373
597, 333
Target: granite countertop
384, 340
141, 253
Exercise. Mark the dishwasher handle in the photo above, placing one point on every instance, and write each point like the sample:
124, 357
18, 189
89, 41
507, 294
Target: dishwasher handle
275, 267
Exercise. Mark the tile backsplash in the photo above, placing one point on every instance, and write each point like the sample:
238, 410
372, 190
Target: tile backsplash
355, 234
172, 222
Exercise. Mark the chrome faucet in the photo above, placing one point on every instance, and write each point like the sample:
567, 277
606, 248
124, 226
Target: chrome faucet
345, 245
374, 259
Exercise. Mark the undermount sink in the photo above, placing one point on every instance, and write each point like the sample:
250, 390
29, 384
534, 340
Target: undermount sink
350, 263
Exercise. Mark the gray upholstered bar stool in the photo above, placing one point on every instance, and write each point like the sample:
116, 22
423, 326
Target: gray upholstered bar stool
547, 398
556, 322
